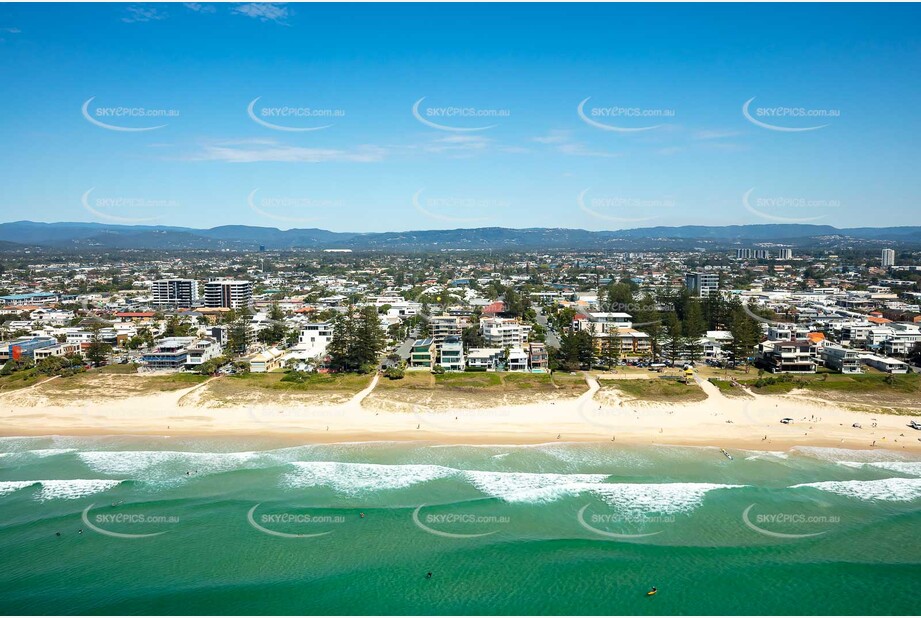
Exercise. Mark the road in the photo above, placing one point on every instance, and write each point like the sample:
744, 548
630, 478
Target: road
405, 348
540, 318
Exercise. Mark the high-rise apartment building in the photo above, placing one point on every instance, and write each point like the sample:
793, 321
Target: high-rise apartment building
702, 283
888, 258
229, 293
174, 292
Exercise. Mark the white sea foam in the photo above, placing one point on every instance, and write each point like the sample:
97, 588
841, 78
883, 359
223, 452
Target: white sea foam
356, 478
892, 489
156, 466
8, 487
36, 453
578, 456
768, 455
74, 488
912, 468
66, 489
839, 455
666, 498
531, 486
50, 452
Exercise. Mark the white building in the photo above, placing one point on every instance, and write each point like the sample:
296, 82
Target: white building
452, 354
882, 363
174, 293
62, 349
230, 293
444, 326
841, 359
313, 340
517, 360
701, 283
485, 358
265, 361
202, 351
504, 332
887, 258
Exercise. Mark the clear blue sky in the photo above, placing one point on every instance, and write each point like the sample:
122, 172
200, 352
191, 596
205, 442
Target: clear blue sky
380, 167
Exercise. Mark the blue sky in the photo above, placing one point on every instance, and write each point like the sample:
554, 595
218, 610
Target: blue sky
518, 155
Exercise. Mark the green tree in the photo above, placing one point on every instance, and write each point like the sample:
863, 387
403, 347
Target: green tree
98, 351
358, 340
276, 331
674, 343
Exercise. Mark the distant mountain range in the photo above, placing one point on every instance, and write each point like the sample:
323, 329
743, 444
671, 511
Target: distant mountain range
99, 236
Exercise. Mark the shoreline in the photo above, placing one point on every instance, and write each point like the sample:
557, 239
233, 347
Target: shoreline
719, 422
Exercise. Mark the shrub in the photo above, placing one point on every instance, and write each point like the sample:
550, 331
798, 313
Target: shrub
394, 373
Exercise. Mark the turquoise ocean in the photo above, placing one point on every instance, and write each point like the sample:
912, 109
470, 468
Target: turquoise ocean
140, 525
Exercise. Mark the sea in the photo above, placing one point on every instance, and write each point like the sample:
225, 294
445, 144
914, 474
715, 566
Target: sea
142, 525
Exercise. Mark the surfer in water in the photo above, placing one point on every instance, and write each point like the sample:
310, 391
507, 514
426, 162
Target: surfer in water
428, 575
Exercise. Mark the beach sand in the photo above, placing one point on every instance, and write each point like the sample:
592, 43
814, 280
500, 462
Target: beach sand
729, 422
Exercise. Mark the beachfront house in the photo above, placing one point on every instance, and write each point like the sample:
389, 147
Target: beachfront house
785, 356
422, 353
452, 354
516, 360
265, 361
839, 358
484, 358
169, 354
538, 357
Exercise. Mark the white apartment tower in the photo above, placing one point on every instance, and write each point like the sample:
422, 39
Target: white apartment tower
174, 292
229, 293
888, 258
702, 283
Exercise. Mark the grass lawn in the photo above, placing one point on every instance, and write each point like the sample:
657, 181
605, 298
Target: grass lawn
656, 390
114, 382
479, 381
336, 382
726, 388
869, 388
20, 379
106, 382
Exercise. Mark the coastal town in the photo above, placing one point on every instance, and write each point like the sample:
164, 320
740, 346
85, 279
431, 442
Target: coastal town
752, 319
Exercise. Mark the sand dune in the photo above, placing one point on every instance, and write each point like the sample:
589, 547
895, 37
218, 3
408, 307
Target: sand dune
594, 416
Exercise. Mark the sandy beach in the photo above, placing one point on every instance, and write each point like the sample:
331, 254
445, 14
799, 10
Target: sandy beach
730, 422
